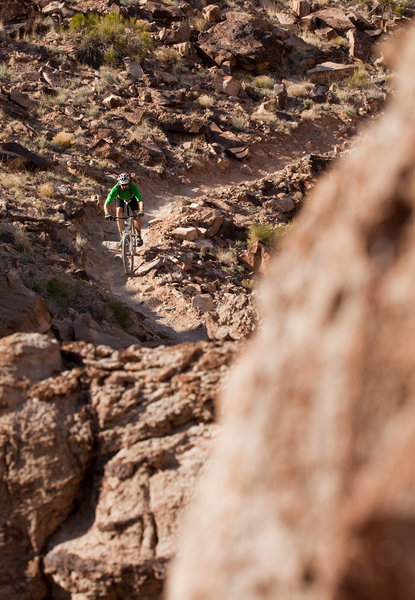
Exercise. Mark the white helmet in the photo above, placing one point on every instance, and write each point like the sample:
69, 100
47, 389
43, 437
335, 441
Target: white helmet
124, 179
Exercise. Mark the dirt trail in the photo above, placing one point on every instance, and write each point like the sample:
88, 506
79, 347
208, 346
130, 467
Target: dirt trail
170, 312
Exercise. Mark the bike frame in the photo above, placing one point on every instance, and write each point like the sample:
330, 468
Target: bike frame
128, 241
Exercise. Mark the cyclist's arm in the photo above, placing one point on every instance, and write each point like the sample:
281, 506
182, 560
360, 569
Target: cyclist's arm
113, 193
137, 195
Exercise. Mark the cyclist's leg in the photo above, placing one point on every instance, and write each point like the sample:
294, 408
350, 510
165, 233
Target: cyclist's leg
119, 211
137, 221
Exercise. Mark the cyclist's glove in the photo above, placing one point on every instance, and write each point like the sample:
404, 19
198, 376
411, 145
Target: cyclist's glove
109, 217
141, 213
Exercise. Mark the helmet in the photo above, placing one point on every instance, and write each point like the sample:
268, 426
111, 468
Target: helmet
124, 179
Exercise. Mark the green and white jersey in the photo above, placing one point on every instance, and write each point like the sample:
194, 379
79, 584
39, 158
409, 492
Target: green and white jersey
117, 192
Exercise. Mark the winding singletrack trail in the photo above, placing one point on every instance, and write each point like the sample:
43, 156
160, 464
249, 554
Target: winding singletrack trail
171, 314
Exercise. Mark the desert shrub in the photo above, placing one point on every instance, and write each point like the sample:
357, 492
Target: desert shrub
206, 101
45, 190
307, 103
66, 292
300, 89
4, 70
360, 80
120, 314
227, 256
108, 38
22, 241
63, 139
263, 82
167, 55
199, 23
261, 232
239, 123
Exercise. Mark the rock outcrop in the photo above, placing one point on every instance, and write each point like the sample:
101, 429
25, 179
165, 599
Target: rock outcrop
99, 452
311, 490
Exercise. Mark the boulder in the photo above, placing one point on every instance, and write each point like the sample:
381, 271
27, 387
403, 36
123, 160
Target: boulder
163, 12
360, 44
113, 101
182, 123
20, 308
212, 13
177, 35
231, 86
243, 44
186, 233
185, 49
311, 489
328, 17
330, 71
257, 257
168, 98
45, 449
87, 329
134, 69
203, 302
281, 95
17, 156
228, 141
300, 7
153, 412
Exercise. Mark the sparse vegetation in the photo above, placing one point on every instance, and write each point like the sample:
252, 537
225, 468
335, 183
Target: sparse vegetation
120, 314
359, 80
263, 82
63, 139
66, 292
168, 55
261, 232
108, 38
227, 256
299, 89
206, 101
22, 241
45, 190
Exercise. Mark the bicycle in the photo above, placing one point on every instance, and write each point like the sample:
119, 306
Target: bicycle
128, 242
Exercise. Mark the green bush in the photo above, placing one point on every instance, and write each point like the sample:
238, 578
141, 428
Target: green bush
359, 80
263, 82
261, 232
108, 38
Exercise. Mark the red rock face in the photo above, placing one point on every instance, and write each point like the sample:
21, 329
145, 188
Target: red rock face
99, 452
312, 487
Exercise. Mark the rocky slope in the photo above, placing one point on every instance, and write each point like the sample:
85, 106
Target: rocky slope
227, 114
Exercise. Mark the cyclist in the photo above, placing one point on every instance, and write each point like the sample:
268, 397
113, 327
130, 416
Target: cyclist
126, 191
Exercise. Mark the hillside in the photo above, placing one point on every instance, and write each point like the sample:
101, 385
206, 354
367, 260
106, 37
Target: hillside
226, 115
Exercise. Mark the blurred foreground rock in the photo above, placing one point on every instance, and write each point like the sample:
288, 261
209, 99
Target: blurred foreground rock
312, 488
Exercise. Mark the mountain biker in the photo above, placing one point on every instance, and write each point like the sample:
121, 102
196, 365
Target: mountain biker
125, 191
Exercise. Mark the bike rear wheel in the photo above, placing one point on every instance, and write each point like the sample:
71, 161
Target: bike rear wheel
127, 253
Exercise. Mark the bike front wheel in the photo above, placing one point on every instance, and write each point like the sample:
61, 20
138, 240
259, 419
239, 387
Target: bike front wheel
127, 253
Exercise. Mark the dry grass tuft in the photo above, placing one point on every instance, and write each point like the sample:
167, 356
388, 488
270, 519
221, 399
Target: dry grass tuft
227, 256
167, 55
63, 139
206, 101
45, 190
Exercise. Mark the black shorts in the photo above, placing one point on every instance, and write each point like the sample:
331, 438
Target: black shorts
132, 204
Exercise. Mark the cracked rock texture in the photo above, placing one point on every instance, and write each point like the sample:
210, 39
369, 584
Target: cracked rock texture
99, 452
